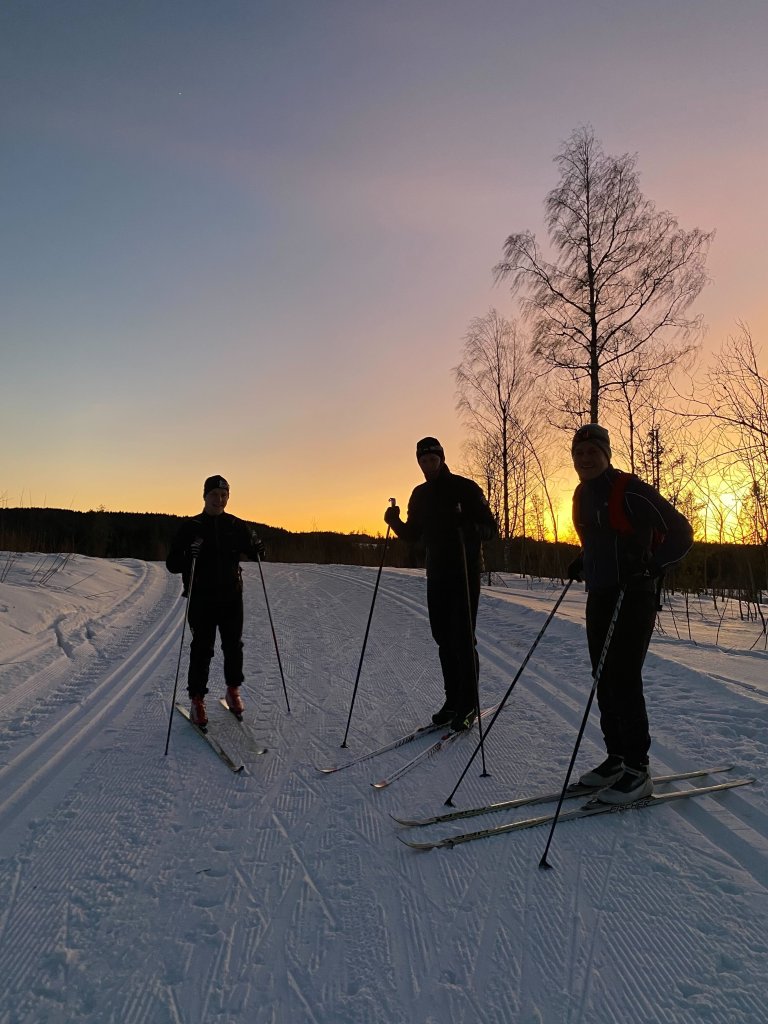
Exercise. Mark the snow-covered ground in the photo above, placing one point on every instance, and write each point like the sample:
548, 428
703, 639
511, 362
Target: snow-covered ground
138, 888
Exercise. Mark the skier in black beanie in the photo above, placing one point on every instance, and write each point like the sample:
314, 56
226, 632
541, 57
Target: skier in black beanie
449, 512
217, 542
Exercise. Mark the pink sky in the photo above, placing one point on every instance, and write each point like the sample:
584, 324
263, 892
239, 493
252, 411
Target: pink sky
248, 239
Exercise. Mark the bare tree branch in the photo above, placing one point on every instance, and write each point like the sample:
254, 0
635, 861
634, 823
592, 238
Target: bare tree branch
622, 278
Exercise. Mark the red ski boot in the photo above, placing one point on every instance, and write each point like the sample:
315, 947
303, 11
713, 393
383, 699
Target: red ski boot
235, 701
197, 712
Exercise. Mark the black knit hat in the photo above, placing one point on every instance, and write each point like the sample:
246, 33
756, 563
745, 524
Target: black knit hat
429, 446
596, 434
213, 482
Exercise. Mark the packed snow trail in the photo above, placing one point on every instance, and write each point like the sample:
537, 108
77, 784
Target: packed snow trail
147, 889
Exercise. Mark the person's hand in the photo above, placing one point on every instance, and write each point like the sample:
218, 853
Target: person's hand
392, 515
194, 547
258, 547
639, 567
576, 568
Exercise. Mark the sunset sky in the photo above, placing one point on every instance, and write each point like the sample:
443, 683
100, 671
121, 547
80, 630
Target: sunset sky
247, 238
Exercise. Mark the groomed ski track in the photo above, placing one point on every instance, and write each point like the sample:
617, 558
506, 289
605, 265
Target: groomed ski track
147, 889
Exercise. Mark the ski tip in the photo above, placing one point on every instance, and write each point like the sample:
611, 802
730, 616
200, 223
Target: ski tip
422, 847
226, 707
406, 821
380, 785
326, 771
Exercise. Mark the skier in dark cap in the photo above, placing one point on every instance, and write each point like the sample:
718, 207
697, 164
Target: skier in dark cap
444, 511
218, 542
629, 535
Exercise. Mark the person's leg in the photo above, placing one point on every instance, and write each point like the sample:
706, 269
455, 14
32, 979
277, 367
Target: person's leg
466, 643
231, 632
623, 716
453, 631
202, 624
628, 710
439, 608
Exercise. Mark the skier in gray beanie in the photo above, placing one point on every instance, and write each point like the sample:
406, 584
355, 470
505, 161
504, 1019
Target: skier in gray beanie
596, 434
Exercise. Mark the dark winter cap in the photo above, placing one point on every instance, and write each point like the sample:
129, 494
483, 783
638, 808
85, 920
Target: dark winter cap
429, 446
596, 434
213, 482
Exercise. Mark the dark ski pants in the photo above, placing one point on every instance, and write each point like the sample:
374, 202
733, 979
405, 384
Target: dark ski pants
623, 716
449, 621
205, 617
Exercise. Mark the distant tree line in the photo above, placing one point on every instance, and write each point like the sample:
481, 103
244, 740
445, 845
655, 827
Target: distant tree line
147, 535
737, 571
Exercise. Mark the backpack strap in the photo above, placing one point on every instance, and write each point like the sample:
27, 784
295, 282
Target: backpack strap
618, 519
575, 508
617, 512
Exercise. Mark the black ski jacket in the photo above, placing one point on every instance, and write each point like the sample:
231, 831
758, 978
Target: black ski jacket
659, 535
227, 540
433, 518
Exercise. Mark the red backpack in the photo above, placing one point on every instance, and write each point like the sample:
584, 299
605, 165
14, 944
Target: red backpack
618, 519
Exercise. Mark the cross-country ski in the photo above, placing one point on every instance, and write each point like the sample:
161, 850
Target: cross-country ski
425, 755
246, 729
231, 761
401, 741
573, 791
588, 810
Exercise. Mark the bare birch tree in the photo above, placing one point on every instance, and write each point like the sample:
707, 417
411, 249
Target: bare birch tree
621, 281
737, 402
496, 394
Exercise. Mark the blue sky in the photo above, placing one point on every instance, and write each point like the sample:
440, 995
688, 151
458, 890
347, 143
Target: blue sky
248, 238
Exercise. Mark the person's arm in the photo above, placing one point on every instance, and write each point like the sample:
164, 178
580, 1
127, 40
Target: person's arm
179, 556
413, 527
476, 512
249, 545
185, 546
256, 551
647, 505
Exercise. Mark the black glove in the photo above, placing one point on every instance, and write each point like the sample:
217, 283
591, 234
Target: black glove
257, 546
392, 515
194, 547
486, 531
639, 567
576, 568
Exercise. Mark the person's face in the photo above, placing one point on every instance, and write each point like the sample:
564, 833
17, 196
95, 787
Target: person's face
430, 465
589, 460
216, 501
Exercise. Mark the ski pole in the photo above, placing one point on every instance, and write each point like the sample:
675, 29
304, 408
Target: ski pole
274, 637
543, 863
472, 644
392, 504
181, 648
500, 708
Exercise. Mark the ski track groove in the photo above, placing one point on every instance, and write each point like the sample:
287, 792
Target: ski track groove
568, 709
581, 986
30, 768
300, 893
